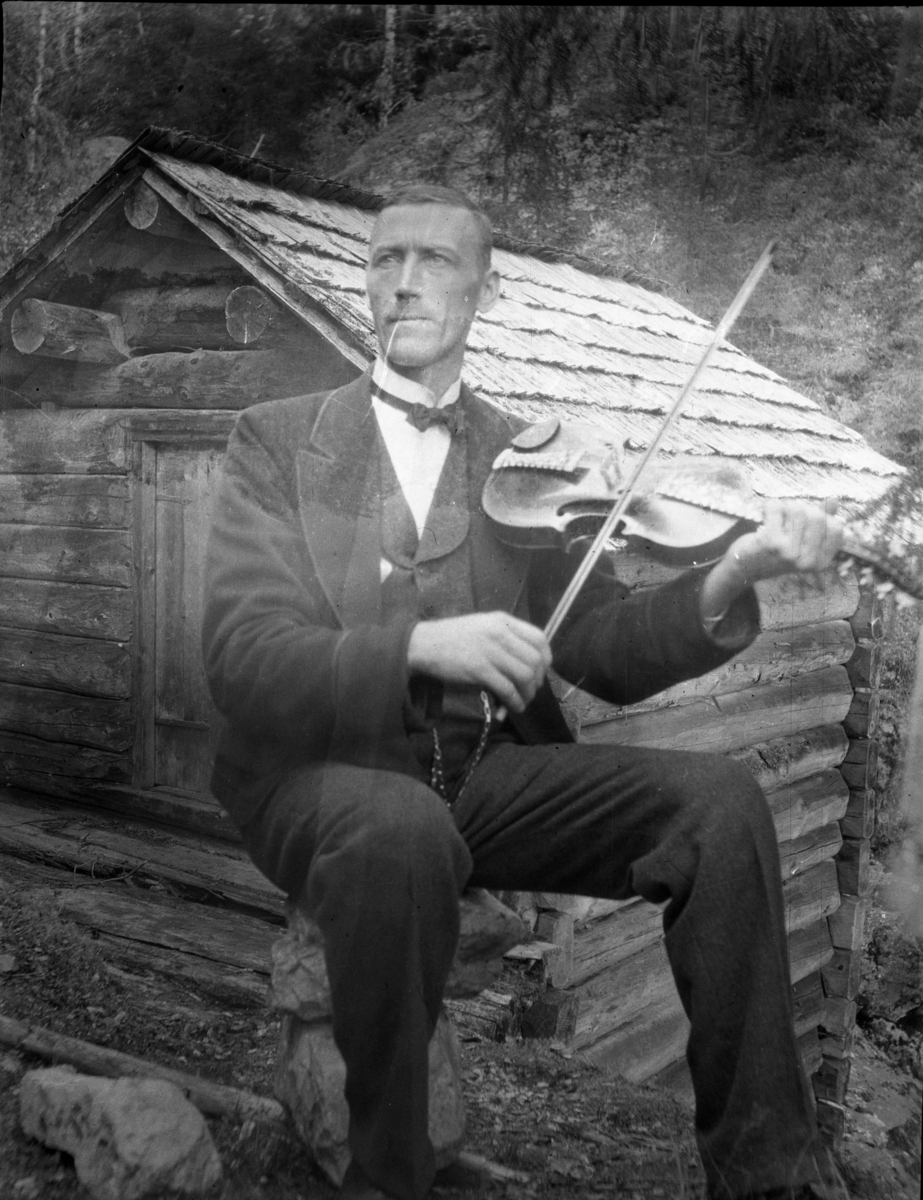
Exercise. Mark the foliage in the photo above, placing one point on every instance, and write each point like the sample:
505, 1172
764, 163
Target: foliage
902, 630
670, 140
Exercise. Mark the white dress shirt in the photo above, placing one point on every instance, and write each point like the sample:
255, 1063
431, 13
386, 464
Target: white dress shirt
417, 455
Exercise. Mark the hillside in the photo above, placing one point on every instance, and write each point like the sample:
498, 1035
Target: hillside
841, 315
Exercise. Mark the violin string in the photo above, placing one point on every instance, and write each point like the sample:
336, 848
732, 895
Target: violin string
609, 525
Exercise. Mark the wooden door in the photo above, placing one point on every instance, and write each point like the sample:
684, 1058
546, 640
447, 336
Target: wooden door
180, 481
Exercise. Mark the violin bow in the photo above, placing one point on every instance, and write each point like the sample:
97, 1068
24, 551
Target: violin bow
598, 544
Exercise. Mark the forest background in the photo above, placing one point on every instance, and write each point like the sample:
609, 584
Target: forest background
670, 141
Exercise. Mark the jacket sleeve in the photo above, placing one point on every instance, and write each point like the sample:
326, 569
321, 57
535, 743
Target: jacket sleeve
279, 665
624, 646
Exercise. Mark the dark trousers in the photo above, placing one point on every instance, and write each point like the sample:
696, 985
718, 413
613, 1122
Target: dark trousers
386, 861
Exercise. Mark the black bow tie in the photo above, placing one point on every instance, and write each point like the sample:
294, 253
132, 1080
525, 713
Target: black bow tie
423, 415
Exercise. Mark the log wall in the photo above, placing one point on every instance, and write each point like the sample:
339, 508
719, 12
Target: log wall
65, 600
798, 707
841, 974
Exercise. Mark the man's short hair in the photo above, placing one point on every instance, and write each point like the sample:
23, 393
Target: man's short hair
431, 193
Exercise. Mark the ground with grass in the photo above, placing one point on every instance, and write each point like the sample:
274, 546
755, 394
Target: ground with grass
555, 1124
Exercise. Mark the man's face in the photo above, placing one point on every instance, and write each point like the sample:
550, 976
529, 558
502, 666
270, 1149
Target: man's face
425, 281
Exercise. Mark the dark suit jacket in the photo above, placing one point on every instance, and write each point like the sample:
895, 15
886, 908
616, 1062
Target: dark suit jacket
297, 661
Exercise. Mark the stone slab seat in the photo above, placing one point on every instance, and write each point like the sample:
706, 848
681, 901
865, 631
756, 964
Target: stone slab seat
310, 1073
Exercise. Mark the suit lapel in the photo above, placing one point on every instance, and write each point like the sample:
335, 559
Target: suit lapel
498, 571
344, 538
332, 472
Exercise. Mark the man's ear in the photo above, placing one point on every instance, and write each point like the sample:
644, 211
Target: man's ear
490, 291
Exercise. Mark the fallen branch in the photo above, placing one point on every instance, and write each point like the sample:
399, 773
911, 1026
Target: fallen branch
214, 1099
490, 1170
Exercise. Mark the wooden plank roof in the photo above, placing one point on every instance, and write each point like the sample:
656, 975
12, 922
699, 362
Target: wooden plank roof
562, 339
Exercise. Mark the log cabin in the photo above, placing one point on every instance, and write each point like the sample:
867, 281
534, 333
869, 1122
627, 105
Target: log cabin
190, 282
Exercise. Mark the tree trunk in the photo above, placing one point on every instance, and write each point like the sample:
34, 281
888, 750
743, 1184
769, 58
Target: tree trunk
386, 80
79, 13
37, 86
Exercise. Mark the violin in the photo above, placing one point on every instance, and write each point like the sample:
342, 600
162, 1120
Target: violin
557, 483
636, 501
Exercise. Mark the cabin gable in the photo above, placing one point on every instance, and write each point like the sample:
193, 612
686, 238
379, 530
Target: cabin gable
190, 283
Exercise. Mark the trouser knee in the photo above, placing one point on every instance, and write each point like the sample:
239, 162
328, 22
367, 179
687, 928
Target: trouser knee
396, 843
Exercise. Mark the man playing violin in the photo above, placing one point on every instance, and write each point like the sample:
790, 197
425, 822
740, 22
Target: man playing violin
364, 626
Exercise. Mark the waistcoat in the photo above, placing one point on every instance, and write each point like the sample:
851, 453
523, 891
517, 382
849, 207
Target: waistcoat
430, 578
430, 575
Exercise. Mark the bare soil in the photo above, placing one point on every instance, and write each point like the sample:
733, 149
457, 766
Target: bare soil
559, 1127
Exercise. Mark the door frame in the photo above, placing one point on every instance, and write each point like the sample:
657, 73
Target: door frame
147, 432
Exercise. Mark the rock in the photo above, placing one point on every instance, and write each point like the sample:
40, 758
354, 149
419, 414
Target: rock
310, 1073
129, 1138
299, 983
310, 1078
488, 928
300, 986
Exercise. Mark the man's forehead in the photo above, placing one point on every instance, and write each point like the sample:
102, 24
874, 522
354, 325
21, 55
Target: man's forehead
418, 224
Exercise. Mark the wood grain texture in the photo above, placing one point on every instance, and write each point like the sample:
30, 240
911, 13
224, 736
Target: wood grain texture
146, 212
605, 943
72, 836
64, 331
640, 987
64, 717
775, 657
847, 924
311, 303
859, 819
808, 1002
69, 443
867, 621
174, 318
809, 949
217, 982
87, 666
782, 761
853, 865
94, 501
199, 814
864, 666
842, 973
185, 724
100, 556
76, 609
647, 1043
810, 896
809, 804
37, 759
862, 719
802, 853
204, 379
152, 919
724, 723
860, 766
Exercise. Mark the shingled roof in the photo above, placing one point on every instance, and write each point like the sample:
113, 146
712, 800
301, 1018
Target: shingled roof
571, 340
